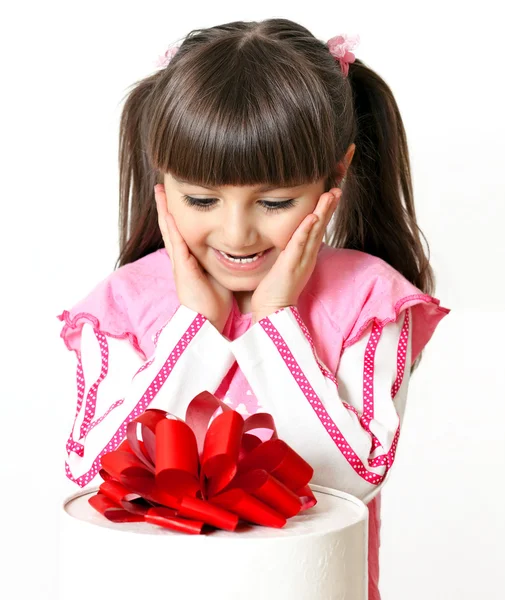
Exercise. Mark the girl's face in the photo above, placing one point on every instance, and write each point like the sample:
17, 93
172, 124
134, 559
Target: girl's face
238, 220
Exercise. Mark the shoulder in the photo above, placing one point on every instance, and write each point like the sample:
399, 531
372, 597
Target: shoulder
148, 273
353, 262
343, 273
126, 303
133, 284
355, 289
153, 265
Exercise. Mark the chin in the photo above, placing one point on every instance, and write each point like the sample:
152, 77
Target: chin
240, 286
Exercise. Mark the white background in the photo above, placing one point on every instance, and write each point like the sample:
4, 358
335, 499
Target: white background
65, 69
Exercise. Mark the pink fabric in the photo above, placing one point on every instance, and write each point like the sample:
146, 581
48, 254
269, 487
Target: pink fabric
347, 291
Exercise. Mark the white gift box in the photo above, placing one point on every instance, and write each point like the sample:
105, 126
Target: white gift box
320, 554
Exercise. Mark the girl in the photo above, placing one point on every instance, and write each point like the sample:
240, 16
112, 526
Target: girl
232, 164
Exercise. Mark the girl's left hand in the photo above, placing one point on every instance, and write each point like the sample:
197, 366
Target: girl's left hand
283, 284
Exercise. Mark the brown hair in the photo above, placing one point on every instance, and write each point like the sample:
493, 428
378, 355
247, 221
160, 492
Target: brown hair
248, 103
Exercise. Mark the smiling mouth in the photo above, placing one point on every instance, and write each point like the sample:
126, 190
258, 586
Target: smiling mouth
242, 258
243, 262
242, 255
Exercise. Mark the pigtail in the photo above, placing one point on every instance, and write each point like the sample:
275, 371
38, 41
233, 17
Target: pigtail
376, 213
139, 233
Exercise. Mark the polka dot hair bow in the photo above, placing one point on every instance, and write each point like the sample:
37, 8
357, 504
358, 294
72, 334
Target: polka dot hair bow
339, 46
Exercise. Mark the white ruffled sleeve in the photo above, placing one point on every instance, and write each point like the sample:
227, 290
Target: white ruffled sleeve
115, 384
346, 427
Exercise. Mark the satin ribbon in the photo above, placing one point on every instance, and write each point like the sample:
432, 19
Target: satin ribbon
186, 474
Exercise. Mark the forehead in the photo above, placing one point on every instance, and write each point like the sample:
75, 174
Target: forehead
255, 188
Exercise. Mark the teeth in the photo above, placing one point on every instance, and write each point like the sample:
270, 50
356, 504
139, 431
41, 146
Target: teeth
241, 260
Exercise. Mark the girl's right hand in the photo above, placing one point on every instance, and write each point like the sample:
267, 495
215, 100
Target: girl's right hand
196, 288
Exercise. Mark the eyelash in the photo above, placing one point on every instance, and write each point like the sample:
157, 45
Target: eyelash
197, 203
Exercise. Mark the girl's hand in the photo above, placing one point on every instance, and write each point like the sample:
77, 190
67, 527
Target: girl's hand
196, 288
283, 284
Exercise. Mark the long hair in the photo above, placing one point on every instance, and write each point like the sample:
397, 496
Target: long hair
249, 103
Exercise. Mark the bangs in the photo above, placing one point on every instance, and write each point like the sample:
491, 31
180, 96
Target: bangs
233, 119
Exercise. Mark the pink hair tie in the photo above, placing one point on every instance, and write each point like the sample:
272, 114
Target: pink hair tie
167, 57
339, 46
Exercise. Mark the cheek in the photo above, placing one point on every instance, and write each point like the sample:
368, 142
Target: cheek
283, 230
188, 227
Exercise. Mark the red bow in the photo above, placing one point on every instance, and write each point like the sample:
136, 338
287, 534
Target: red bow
182, 475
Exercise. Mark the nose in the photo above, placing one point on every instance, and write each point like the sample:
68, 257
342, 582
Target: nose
238, 230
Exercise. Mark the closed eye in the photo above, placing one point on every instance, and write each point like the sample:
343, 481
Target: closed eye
208, 203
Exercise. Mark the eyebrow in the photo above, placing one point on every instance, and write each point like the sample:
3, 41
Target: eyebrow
262, 188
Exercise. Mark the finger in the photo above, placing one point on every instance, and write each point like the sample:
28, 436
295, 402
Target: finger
161, 199
326, 205
291, 256
179, 247
310, 229
324, 209
162, 222
178, 250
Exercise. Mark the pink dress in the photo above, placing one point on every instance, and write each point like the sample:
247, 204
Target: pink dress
333, 371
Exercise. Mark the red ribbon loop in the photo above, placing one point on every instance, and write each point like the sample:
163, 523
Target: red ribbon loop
184, 475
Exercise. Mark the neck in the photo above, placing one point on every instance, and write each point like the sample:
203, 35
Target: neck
244, 301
